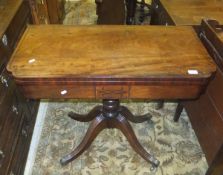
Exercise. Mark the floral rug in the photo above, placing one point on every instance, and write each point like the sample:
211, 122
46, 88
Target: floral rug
174, 144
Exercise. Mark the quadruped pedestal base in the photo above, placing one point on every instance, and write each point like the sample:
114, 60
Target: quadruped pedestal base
110, 115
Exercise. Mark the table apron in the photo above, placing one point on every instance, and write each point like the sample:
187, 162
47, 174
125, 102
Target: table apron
111, 91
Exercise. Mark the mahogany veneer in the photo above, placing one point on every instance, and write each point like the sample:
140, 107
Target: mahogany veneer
136, 61
111, 63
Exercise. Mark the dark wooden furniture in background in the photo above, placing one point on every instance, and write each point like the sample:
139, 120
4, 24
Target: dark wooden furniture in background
52, 11
185, 12
17, 115
130, 11
206, 113
115, 63
144, 11
110, 12
47, 11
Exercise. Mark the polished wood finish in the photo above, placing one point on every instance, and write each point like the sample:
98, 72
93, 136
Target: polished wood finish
46, 89
188, 12
110, 62
176, 91
206, 112
118, 54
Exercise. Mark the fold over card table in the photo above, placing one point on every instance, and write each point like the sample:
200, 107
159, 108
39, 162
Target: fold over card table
110, 63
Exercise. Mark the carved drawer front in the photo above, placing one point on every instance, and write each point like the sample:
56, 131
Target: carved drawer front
58, 91
112, 92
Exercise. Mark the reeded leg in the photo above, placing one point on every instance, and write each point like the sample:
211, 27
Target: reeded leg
178, 112
97, 125
135, 119
88, 117
121, 123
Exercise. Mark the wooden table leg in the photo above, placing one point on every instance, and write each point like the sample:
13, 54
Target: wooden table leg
97, 125
160, 104
88, 117
178, 112
110, 115
121, 123
135, 119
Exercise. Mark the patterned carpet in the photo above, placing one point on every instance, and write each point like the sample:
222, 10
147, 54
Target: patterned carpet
174, 144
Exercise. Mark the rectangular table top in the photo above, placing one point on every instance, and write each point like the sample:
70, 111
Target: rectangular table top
8, 9
55, 51
191, 12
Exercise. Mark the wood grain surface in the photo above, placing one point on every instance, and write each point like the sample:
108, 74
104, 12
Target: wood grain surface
191, 12
108, 52
8, 10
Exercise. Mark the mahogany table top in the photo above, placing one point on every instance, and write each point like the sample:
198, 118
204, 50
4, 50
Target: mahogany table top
55, 51
191, 12
8, 10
